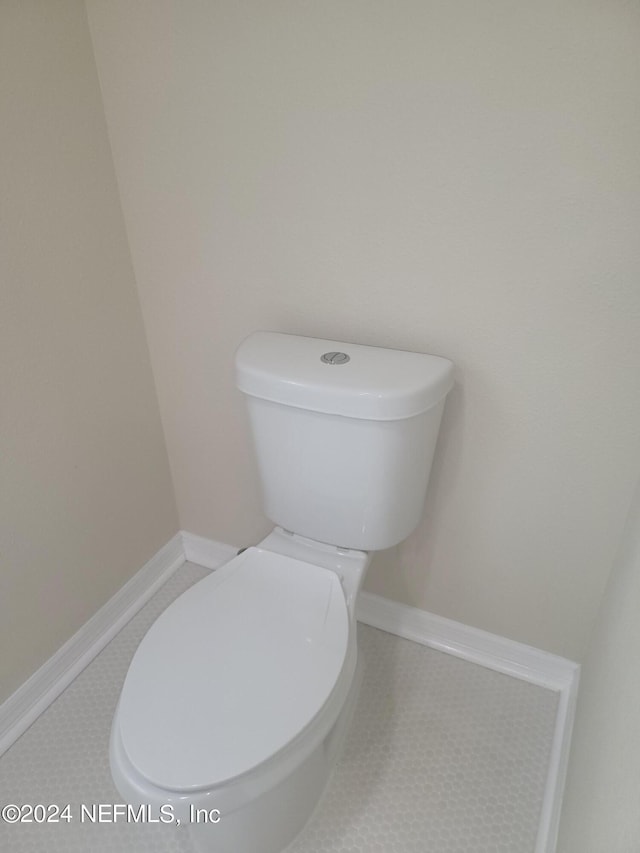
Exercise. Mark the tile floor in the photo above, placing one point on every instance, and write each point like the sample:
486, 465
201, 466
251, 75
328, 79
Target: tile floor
444, 756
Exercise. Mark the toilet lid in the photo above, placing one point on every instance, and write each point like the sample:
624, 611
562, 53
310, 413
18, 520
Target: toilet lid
233, 670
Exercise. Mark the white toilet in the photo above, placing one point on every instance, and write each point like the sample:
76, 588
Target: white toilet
236, 701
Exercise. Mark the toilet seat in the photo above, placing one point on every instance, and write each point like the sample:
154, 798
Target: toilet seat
233, 671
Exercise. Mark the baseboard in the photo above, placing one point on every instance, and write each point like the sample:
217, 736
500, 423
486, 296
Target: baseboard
502, 655
24, 706
463, 641
558, 764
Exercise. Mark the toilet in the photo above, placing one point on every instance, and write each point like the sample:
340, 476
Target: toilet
237, 700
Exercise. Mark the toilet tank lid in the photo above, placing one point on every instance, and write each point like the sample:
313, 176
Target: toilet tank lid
373, 383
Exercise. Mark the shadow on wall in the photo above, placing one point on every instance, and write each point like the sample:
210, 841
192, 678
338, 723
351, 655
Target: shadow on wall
408, 585
601, 810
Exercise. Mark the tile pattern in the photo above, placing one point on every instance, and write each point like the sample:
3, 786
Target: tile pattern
64, 756
443, 756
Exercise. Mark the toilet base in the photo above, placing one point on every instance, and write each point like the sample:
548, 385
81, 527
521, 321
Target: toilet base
270, 822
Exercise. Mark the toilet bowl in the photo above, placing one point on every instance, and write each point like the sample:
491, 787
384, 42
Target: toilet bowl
238, 697
236, 702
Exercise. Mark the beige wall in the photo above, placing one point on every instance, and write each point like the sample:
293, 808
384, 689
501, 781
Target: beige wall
600, 811
457, 178
85, 490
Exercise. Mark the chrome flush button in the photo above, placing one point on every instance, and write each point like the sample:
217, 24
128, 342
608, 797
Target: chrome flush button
335, 358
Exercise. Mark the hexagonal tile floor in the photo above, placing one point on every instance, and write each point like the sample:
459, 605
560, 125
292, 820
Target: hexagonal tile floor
443, 756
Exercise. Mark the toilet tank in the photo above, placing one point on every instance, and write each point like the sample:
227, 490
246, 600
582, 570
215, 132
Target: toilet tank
344, 435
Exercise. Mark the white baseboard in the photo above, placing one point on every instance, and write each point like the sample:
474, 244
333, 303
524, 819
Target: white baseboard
24, 706
494, 652
463, 641
502, 655
558, 765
